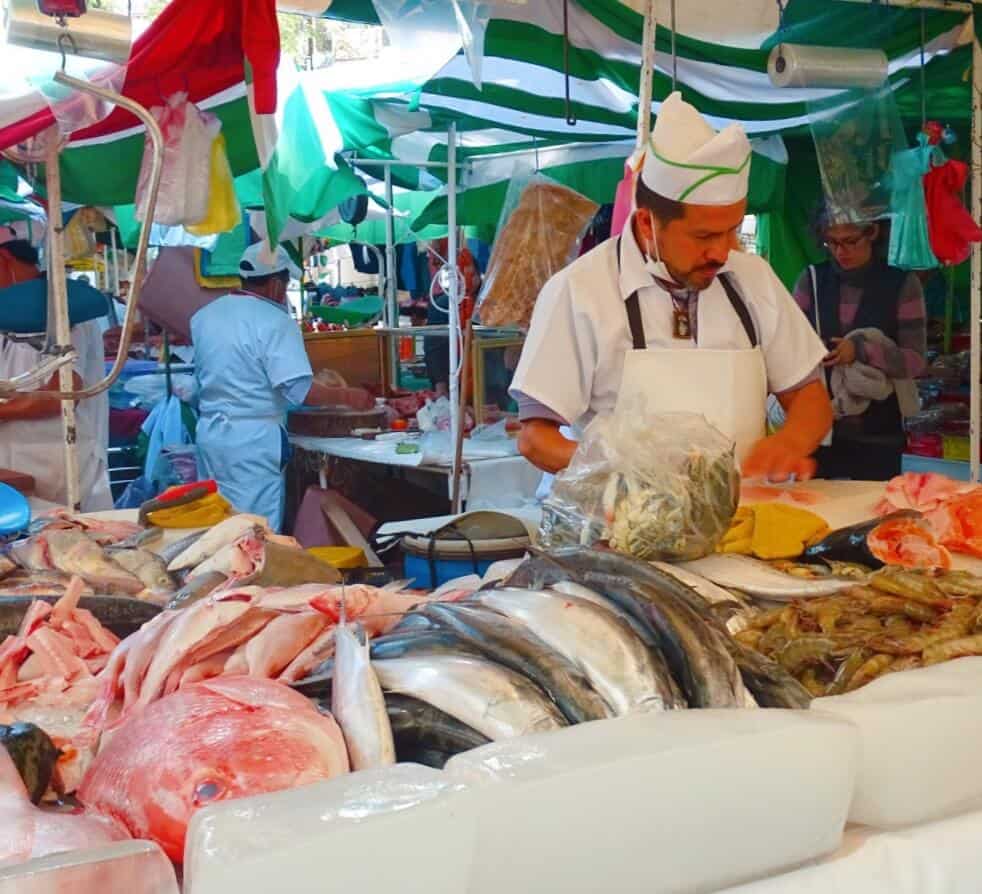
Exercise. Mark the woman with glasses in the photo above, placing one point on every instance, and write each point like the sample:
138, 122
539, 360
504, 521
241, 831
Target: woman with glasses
873, 315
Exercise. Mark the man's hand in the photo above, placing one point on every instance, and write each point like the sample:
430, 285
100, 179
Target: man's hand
843, 354
777, 458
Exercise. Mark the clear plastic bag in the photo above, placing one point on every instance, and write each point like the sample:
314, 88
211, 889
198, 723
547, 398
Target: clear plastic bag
541, 226
185, 183
655, 486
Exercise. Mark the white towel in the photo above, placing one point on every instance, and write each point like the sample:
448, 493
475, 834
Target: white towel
855, 386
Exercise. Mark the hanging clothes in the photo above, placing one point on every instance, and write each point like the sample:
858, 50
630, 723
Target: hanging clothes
951, 227
408, 268
910, 243
365, 260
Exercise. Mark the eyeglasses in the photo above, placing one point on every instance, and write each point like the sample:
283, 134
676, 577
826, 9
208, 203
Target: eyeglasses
851, 242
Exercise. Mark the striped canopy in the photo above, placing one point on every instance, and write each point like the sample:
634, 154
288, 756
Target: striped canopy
403, 111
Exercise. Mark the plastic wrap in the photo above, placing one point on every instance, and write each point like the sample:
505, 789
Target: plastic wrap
539, 233
656, 486
185, 183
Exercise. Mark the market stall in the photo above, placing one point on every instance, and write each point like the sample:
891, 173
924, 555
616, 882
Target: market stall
684, 685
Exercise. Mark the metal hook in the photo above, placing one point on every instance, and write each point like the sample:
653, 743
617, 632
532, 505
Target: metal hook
66, 38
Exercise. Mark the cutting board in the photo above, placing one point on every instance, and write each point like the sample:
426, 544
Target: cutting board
18, 481
845, 503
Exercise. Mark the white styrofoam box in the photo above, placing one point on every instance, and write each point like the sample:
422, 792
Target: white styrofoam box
670, 803
938, 858
133, 867
401, 828
920, 732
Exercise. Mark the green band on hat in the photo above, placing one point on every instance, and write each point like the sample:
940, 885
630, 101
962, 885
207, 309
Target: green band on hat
715, 169
706, 179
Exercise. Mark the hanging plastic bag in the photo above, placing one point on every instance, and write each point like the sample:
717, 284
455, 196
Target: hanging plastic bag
223, 212
539, 232
183, 196
165, 428
655, 486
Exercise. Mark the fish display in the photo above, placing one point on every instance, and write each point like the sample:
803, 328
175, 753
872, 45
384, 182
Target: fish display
757, 578
419, 728
921, 491
357, 702
29, 832
489, 698
211, 741
206, 544
148, 567
903, 619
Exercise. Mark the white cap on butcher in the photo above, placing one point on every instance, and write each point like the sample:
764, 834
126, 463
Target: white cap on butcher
258, 261
688, 161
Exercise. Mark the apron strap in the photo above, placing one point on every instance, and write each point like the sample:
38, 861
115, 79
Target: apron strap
633, 308
740, 308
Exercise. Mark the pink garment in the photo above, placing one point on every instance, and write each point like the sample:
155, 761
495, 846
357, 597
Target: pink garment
623, 201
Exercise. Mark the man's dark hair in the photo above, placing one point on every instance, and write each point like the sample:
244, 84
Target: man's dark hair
664, 210
21, 250
263, 281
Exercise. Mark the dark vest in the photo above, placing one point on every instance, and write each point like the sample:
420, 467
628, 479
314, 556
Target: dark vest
877, 310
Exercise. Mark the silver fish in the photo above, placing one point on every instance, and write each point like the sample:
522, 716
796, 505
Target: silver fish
72, 552
758, 578
615, 661
489, 698
357, 702
147, 566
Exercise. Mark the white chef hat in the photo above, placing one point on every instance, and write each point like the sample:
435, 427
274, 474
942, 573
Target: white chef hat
258, 260
686, 160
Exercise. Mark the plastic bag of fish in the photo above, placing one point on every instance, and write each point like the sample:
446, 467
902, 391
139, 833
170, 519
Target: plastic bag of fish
655, 486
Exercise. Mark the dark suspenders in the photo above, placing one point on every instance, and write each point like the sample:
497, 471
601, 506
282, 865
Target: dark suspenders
633, 308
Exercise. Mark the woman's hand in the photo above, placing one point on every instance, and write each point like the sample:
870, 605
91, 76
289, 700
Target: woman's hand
843, 354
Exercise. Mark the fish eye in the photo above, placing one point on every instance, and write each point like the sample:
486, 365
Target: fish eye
206, 791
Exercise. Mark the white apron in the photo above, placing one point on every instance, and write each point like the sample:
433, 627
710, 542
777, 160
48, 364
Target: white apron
728, 387
36, 447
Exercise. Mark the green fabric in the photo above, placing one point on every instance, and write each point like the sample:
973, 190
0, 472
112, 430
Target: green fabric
784, 235
223, 259
8, 182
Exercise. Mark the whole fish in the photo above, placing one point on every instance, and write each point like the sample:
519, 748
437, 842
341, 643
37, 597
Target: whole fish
357, 702
209, 543
239, 559
7, 565
145, 565
224, 738
694, 648
432, 641
570, 588
759, 579
197, 588
416, 724
491, 699
72, 552
142, 539
513, 645
618, 665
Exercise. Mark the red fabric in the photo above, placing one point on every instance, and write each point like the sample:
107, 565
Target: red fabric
950, 226
192, 46
623, 201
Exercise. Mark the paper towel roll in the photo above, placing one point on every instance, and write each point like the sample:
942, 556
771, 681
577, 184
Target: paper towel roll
794, 65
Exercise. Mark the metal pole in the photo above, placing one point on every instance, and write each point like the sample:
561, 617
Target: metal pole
976, 297
647, 72
58, 292
42, 372
453, 296
391, 277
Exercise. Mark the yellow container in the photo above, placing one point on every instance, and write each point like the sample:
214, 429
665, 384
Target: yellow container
342, 557
956, 447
